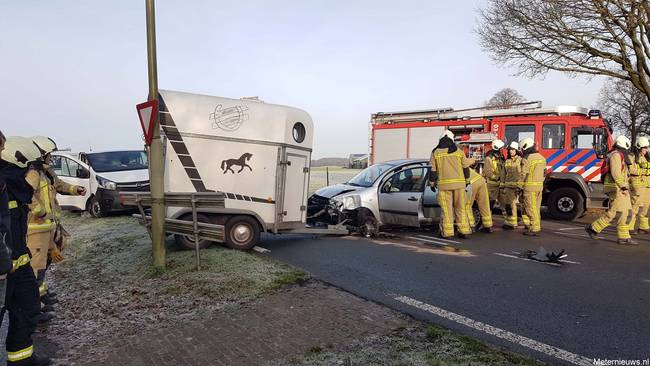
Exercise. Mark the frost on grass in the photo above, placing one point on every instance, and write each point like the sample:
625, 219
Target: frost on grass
108, 289
425, 346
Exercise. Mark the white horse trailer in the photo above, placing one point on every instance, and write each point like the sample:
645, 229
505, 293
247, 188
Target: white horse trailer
254, 155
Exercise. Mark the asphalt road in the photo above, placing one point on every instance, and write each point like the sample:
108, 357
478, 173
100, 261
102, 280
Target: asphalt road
597, 306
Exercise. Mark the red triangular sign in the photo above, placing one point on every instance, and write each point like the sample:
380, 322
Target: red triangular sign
147, 112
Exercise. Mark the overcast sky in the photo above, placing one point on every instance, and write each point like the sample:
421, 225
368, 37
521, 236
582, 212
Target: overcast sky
74, 70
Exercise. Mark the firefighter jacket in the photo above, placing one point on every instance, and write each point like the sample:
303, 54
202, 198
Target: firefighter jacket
45, 213
639, 172
617, 177
5, 230
450, 168
492, 169
533, 169
18, 195
511, 175
476, 180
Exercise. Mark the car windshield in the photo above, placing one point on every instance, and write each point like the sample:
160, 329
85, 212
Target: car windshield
118, 161
368, 176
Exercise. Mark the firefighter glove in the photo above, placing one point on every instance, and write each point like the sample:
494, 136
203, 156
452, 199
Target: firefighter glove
56, 255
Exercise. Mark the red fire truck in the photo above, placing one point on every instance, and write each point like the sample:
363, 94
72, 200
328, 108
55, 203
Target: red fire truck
574, 141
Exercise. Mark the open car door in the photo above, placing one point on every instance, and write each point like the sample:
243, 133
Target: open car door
400, 196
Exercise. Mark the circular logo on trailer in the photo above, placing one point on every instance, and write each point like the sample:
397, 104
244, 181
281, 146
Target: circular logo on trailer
229, 119
495, 127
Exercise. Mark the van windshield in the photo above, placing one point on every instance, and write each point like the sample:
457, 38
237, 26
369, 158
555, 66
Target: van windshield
368, 176
115, 161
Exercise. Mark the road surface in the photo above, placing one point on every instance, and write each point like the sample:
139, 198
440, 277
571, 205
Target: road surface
594, 306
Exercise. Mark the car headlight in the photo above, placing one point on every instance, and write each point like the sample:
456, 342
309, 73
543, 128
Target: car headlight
106, 184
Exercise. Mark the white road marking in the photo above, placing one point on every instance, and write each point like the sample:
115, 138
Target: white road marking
261, 250
526, 259
646, 281
570, 234
499, 333
571, 228
441, 239
430, 240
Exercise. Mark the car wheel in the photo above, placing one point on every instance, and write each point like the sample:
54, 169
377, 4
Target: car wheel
368, 225
478, 222
187, 241
242, 232
95, 208
566, 204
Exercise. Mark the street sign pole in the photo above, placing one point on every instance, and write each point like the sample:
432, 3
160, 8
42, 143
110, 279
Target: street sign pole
156, 165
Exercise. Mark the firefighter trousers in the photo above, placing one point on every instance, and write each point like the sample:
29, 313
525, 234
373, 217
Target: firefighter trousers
39, 244
510, 200
23, 305
532, 207
640, 205
620, 210
452, 204
481, 196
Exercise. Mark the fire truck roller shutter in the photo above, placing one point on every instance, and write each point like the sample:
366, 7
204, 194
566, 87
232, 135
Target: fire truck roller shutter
422, 140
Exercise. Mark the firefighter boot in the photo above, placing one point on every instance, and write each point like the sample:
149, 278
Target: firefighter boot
531, 233
627, 242
591, 232
45, 317
47, 309
48, 300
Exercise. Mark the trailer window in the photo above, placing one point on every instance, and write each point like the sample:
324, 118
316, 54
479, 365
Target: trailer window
519, 132
299, 132
582, 138
553, 136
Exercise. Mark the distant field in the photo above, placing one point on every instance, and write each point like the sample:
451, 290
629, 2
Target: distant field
318, 176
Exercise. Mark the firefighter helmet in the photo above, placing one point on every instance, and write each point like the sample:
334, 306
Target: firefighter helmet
497, 144
526, 143
513, 145
45, 144
623, 142
449, 134
20, 151
642, 142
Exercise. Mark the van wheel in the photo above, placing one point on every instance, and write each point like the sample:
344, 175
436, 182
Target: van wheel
95, 208
242, 232
187, 241
566, 204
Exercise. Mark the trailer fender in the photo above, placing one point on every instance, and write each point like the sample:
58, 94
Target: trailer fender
224, 211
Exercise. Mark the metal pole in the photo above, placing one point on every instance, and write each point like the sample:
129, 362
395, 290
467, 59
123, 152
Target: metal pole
156, 164
195, 219
327, 176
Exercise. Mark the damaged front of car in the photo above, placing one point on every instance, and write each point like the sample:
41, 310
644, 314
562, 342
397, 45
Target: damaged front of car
339, 204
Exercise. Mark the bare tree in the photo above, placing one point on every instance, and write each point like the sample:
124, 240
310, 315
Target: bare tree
627, 108
505, 98
593, 37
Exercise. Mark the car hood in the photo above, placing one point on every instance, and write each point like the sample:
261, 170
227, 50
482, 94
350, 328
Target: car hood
336, 190
127, 176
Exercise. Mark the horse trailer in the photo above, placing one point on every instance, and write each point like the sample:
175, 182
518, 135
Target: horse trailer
248, 158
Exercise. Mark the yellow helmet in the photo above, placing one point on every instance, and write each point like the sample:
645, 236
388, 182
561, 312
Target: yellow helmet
20, 151
45, 144
642, 142
526, 143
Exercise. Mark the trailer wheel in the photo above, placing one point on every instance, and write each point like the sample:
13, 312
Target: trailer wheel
186, 241
242, 232
566, 203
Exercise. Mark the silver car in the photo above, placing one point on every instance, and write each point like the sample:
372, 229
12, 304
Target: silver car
394, 193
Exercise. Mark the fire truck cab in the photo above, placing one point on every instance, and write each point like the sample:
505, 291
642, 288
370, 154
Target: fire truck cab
574, 141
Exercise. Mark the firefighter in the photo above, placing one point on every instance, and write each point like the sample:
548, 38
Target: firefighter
44, 228
22, 291
640, 184
492, 171
6, 264
481, 196
512, 184
449, 172
618, 191
533, 170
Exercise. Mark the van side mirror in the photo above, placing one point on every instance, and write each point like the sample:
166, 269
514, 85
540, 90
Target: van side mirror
83, 173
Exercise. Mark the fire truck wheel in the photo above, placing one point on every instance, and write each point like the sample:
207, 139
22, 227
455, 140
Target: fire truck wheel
566, 204
242, 232
186, 241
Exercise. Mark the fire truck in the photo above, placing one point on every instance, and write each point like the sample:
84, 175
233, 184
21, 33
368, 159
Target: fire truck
574, 141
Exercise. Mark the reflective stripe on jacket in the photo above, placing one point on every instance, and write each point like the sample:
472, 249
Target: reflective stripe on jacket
512, 177
449, 168
618, 176
533, 169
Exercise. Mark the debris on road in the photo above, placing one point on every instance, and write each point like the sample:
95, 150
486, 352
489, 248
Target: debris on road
544, 255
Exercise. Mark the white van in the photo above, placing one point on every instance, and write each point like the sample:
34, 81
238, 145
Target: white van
104, 175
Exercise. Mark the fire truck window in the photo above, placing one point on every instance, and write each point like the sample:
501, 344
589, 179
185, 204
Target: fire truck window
519, 132
553, 136
582, 138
